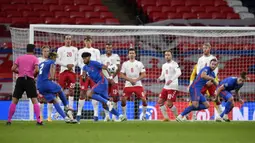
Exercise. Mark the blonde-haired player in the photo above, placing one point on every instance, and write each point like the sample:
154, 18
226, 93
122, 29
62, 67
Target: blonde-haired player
170, 73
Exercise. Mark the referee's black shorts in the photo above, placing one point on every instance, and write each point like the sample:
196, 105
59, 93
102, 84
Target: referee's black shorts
25, 84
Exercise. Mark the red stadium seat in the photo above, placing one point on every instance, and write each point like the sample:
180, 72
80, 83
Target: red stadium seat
174, 15
157, 16
148, 3
71, 8
192, 3
204, 16
18, 1
100, 9
97, 21
31, 14
54, 8
177, 3
37, 20
61, 14
8, 7
5, 2
92, 15
2, 14
46, 14
211, 9
167, 9
50, 20
106, 15
50, 2
68, 21
77, 15
19, 21
162, 3
218, 16
189, 16
151, 9
83, 21
226, 10
197, 9
40, 8
84, 8
112, 21
94, 2
182, 9
24, 7
80, 2
34, 1
13, 14
5, 20
233, 16
206, 2
220, 3
66, 2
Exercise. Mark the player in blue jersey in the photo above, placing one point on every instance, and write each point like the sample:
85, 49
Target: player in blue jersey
198, 100
98, 92
224, 90
49, 89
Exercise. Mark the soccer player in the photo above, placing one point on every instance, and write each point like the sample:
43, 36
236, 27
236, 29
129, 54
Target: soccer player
224, 90
170, 73
49, 89
209, 88
67, 59
199, 101
99, 91
26, 66
133, 72
85, 84
109, 59
45, 54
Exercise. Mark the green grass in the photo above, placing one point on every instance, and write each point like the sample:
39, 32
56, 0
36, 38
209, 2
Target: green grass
128, 132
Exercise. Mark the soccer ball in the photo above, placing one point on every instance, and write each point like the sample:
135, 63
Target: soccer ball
112, 68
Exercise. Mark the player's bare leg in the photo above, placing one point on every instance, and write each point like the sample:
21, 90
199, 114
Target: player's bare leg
163, 109
81, 104
172, 107
144, 102
124, 106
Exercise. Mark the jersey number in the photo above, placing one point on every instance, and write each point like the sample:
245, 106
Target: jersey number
132, 69
69, 54
41, 68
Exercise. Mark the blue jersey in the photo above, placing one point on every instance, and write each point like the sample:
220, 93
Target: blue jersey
230, 83
199, 82
44, 70
94, 71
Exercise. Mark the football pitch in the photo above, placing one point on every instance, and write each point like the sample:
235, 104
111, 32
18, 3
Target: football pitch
128, 132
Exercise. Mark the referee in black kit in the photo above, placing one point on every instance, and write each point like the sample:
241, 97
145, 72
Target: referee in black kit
26, 66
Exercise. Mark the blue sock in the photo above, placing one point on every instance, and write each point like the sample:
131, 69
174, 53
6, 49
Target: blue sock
114, 111
62, 98
201, 107
187, 110
99, 98
60, 111
227, 109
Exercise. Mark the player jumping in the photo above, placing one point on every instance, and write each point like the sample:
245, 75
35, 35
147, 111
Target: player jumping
170, 73
199, 102
133, 72
224, 90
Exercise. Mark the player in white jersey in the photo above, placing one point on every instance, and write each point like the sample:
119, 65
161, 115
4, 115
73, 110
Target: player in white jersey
111, 59
67, 59
133, 72
85, 84
45, 54
170, 73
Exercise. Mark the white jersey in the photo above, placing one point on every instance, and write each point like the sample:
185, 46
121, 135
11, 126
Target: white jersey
41, 59
95, 56
132, 70
205, 61
67, 55
170, 71
113, 59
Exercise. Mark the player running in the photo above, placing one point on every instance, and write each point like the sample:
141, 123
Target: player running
170, 73
85, 84
67, 59
224, 90
111, 59
199, 102
133, 72
99, 91
49, 89
45, 54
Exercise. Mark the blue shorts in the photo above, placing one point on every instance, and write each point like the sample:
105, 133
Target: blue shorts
225, 95
196, 95
101, 88
49, 89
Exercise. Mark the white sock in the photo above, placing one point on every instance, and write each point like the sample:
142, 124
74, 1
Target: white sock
70, 101
50, 107
106, 113
194, 115
80, 106
115, 107
144, 110
174, 110
95, 107
163, 111
41, 109
124, 110
219, 109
